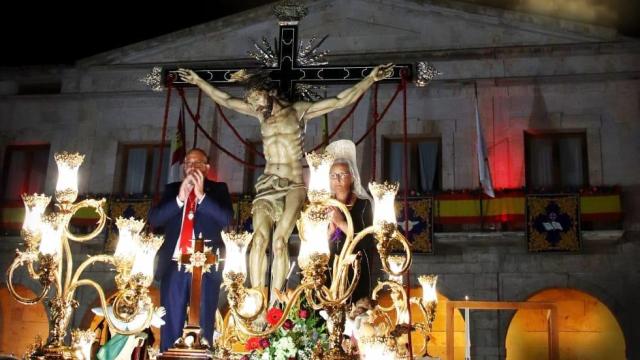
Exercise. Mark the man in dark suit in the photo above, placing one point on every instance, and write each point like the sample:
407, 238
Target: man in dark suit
189, 208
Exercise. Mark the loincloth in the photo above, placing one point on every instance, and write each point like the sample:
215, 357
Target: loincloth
271, 191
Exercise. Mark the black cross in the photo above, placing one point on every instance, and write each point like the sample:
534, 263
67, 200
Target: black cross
288, 73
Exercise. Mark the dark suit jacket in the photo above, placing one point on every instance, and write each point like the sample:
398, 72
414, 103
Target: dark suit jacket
212, 215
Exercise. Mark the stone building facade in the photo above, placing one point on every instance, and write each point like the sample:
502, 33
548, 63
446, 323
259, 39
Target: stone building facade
530, 72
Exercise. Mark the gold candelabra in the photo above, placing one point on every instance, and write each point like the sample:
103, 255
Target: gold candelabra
247, 304
395, 332
48, 259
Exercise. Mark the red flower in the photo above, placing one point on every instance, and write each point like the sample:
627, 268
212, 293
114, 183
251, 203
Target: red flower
274, 315
303, 313
252, 343
244, 357
264, 343
288, 324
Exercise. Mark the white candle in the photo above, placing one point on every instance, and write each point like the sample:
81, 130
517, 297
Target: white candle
467, 332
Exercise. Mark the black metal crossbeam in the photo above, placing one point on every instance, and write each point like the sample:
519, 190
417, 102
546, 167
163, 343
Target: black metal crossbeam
288, 73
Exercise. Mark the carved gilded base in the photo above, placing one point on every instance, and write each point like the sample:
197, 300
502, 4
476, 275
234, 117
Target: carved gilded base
190, 346
337, 317
175, 353
51, 353
338, 354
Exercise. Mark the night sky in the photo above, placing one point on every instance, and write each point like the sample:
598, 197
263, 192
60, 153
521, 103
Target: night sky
58, 35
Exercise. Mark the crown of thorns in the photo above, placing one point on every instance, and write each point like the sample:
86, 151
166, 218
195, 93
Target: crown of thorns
253, 80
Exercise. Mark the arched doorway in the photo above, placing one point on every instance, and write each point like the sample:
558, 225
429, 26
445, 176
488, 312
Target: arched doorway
20, 324
437, 346
587, 328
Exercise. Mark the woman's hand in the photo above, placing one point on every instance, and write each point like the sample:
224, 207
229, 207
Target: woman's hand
337, 219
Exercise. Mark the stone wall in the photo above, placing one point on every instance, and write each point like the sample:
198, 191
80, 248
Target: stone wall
549, 75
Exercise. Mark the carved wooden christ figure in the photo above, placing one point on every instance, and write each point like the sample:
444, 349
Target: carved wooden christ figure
280, 191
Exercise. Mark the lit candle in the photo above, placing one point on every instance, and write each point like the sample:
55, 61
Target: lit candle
319, 168
128, 238
143, 263
67, 185
51, 243
384, 210
314, 238
35, 206
428, 283
236, 244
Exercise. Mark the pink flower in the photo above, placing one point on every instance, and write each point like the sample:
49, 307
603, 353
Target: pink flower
303, 313
264, 343
288, 324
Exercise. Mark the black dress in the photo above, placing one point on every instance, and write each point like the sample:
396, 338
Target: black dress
361, 215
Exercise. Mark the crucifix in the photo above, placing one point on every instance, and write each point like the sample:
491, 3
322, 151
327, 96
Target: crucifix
292, 69
197, 261
294, 66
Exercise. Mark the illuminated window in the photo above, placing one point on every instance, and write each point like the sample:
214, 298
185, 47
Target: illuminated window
24, 170
425, 165
138, 168
556, 160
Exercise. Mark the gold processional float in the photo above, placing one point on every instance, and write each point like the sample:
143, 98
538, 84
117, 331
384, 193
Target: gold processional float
48, 259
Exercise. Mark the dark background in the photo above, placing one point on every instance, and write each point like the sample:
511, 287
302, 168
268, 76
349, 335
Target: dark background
56, 33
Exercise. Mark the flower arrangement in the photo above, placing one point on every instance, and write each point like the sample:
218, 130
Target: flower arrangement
298, 338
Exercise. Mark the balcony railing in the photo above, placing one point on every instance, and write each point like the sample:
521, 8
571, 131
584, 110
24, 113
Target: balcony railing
600, 209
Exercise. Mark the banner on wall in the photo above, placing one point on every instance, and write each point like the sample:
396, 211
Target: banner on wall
419, 227
553, 223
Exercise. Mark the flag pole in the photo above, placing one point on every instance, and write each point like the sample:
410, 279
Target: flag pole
475, 88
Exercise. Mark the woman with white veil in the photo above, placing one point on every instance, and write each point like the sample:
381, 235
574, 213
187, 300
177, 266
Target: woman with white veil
347, 188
